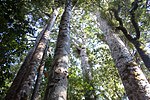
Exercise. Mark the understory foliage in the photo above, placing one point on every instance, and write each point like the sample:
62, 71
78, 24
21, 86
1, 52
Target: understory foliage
21, 22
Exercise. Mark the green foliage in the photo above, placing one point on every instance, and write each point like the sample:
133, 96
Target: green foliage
106, 82
17, 22
21, 18
75, 88
13, 29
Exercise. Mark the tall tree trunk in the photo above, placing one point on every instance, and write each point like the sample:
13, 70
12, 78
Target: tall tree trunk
134, 81
134, 40
87, 75
57, 85
35, 93
86, 68
23, 82
37, 83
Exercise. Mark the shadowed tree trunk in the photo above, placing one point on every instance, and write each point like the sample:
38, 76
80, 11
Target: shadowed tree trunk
57, 84
144, 56
40, 69
23, 82
35, 93
134, 81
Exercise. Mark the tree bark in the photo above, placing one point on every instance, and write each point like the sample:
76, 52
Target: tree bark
135, 41
142, 53
134, 81
57, 84
86, 68
23, 82
145, 57
35, 93
87, 75
37, 83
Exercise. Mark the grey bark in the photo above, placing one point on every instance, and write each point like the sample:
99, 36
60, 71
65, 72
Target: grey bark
87, 75
37, 83
134, 40
57, 84
35, 93
86, 68
134, 81
23, 82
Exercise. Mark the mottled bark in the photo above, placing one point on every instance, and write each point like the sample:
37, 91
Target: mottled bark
35, 93
134, 81
17, 81
22, 84
87, 75
86, 68
134, 40
57, 84
37, 83
142, 53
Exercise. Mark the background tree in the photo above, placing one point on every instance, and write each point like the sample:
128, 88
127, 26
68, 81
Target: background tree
105, 77
86, 68
106, 80
18, 24
25, 78
13, 29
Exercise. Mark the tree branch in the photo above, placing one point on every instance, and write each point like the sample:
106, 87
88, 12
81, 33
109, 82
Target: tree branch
75, 41
116, 14
121, 27
77, 45
134, 23
125, 32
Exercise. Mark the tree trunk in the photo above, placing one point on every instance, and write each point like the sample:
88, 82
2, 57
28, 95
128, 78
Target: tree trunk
86, 70
35, 93
37, 83
135, 41
57, 85
134, 81
145, 57
23, 82
17, 81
